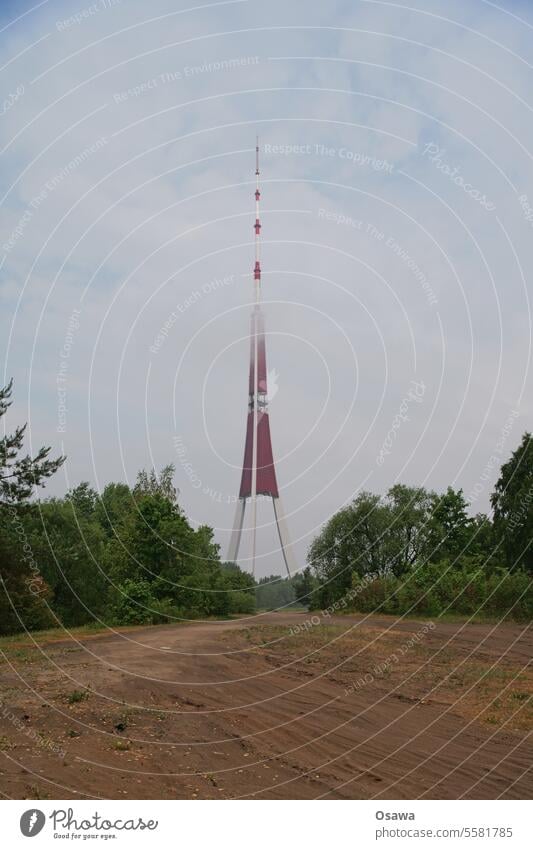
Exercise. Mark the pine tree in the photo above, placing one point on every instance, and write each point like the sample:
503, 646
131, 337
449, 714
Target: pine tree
20, 475
22, 588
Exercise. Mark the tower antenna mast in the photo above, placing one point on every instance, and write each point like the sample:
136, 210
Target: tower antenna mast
258, 473
255, 316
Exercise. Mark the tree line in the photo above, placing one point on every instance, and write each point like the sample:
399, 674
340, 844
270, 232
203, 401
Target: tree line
419, 552
129, 555
123, 556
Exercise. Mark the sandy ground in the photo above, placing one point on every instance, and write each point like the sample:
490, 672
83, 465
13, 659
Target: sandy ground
272, 707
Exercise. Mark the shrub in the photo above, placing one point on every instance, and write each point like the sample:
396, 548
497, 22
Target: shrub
134, 604
433, 589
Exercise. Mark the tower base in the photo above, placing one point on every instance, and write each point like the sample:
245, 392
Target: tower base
281, 525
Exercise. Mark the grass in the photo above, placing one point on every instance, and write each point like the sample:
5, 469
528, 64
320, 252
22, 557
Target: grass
28, 638
77, 696
459, 618
22, 655
35, 793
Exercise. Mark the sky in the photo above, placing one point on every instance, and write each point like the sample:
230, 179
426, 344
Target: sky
397, 213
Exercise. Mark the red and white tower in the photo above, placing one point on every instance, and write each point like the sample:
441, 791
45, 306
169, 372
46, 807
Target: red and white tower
258, 473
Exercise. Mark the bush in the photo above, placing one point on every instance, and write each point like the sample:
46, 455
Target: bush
134, 604
433, 589
376, 594
241, 602
166, 611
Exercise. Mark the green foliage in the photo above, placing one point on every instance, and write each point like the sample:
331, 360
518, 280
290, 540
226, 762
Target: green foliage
451, 530
512, 502
112, 507
407, 537
436, 589
239, 589
24, 594
68, 545
241, 602
127, 556
162, 569
371, 535
305, 587
77, 696
134, 603
418, 552
352, 541
83, 500
130, 556
150, 483
273, 593
20, 475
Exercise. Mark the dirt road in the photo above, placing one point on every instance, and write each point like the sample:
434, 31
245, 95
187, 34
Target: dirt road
279, 706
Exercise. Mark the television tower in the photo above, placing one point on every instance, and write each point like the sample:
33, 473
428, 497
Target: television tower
258, 472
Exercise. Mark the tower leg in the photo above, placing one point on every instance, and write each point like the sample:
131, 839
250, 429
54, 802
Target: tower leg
236, 534
284, 539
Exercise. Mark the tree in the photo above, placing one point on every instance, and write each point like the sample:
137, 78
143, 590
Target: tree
20, 475
155, 550
512, 503
235, 577
371, 535
68, 544
483, 544
451, 529
274, 592
25, 593
390, 536
355, 540
304, 585
238, 587
112, 507
408, 532
83, 499
331, 555
153, 484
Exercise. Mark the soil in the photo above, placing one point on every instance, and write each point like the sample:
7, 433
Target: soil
278, 706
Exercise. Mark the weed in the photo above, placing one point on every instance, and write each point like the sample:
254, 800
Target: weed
77, 696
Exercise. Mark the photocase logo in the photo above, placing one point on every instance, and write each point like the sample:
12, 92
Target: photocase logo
32, 822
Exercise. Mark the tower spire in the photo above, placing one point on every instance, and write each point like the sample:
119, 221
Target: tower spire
258, 473
257, 226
